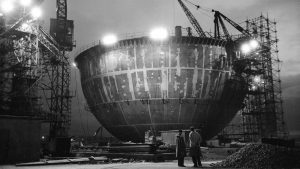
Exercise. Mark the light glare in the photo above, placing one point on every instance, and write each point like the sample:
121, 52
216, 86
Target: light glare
253, 87
7, 6
25, 2
24, 26
245, 48
257, 79
74, 64
36, 12
109, 39
159, 34
254, 44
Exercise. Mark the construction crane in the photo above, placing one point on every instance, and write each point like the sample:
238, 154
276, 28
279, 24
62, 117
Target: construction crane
35, 70
218, 19
192, 20
61, 30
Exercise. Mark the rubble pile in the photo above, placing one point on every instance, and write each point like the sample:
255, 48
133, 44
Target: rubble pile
262, 156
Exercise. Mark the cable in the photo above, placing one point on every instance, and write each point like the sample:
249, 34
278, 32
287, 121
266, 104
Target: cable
78, 103
203, 10
173, 13
199, 7
207, 9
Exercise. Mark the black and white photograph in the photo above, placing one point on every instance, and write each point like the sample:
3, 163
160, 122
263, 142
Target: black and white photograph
152, 84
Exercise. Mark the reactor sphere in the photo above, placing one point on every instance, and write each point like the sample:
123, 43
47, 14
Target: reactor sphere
139, 84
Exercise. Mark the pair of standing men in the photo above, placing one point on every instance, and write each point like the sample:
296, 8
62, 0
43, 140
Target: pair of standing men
195, 152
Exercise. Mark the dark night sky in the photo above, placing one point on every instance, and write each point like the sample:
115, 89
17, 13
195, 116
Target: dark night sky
94, 18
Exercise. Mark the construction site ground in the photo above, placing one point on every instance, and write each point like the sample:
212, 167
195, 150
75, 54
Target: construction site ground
210, 157
134, 165
255, 155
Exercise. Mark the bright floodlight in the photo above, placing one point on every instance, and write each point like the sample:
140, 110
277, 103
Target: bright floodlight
36, 12
7, 6
254, 44
257, 79
74, 64
109, 39
25, 2
246, 48
25, 26
159, 34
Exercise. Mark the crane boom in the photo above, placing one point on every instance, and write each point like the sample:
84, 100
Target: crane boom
224, 29
192, 19
235, 25
218, 20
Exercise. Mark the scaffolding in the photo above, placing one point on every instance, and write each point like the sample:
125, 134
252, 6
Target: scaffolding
262, 114
264, 111
34, 75
20, 71
61, 30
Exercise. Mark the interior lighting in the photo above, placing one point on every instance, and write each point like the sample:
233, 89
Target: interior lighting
246, 48
36, 12
109, 39
254, 44
25, 2
159, 34
7, 6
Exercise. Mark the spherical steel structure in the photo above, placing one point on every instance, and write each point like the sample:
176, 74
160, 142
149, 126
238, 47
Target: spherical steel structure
139, 84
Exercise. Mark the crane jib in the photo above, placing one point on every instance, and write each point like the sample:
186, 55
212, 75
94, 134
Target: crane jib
192, 20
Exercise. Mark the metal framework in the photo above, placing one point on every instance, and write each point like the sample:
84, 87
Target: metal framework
218, 20
24, 69
262, 115
60, 80
20, 71
192, 19
35, 72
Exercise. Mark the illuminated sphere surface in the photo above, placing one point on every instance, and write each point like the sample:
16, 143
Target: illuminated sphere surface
139, 84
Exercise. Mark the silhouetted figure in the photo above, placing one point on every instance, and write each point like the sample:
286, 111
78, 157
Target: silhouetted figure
180, 149
195, 140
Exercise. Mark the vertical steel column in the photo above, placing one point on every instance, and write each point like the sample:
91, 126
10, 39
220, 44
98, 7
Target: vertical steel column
60, 95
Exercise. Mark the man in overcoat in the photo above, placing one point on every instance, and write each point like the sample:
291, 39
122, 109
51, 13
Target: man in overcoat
195, 152
180, 149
